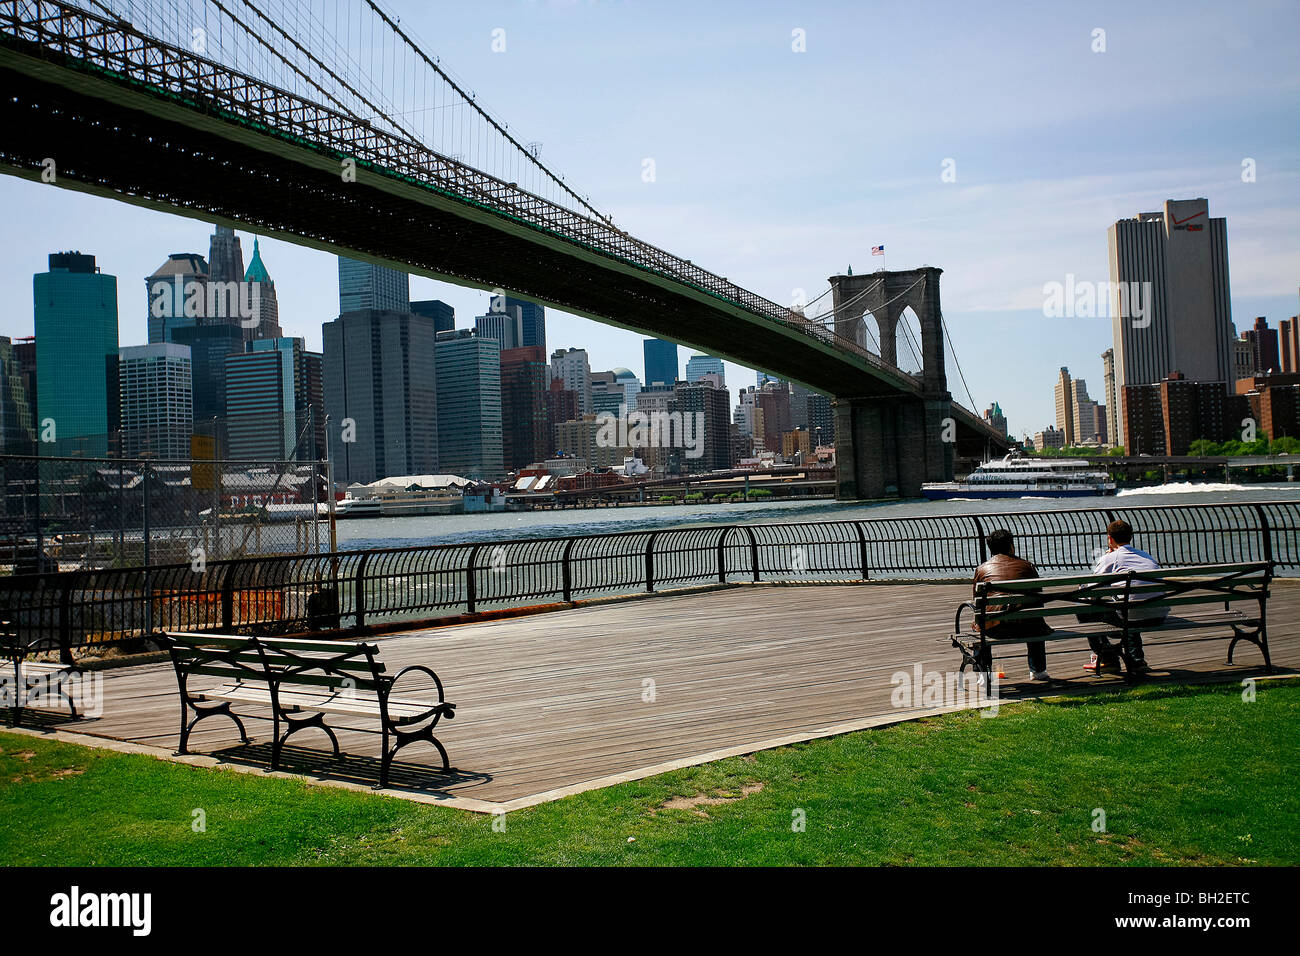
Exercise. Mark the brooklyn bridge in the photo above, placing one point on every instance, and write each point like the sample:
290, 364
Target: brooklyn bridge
347, 136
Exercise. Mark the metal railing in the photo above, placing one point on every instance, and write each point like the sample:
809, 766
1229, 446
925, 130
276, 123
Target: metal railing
354, 589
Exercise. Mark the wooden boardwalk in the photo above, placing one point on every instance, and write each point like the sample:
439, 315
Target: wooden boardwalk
560, 702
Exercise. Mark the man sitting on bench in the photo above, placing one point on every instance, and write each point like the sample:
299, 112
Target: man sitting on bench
1120, 556
1003, 565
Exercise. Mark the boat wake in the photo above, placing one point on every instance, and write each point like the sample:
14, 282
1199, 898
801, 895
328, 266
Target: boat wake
1189, 488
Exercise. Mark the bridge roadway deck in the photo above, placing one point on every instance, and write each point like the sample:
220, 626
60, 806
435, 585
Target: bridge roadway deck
552, 703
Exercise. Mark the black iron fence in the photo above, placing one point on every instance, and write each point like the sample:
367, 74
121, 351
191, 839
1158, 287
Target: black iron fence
286, 593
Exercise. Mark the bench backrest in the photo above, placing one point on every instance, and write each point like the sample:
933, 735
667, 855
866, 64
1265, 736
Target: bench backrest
215, 655
284, 661
323, 663
1124, 592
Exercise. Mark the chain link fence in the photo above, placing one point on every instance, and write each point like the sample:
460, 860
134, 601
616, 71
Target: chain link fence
61, 513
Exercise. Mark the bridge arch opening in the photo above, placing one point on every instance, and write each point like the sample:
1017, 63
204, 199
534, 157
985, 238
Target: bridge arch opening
907, 336
869, 333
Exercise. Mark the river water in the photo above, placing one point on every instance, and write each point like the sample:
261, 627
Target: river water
361, 533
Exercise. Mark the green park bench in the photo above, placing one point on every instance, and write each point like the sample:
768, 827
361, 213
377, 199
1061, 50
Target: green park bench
302, 681
1217, 596
20, 676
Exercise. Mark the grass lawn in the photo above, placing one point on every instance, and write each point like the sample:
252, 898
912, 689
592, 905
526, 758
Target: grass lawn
1185, 775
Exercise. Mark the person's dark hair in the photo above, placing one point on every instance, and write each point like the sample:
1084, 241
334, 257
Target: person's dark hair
1121, 531
1000, 541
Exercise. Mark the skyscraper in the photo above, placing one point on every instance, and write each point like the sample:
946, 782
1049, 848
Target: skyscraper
177, 294
998, 421
469, 405
660, 362
76, 326
1243, 359
225, 256
379, 384
25, 353
1086, 428
713, 406
309, 395
607, 392
262, 401
572, 367
1172, 266
155, 384
743, 416
821, 418
17, 432
1288, 344
505, 325
364, 285
1113, 436
1064, 394
209, 345
798, 406
525, 428
626, 380
773, 406
188, 291
443, 315
264, 323
532, 323
658, 400
561, 406
1264, 347
698, 365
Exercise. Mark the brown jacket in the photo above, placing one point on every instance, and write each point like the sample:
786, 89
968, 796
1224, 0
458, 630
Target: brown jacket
1008, 567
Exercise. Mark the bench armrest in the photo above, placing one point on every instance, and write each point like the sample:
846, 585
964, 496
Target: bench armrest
422, 669
956, 624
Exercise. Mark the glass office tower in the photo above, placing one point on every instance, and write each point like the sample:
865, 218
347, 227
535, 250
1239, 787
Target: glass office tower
76, 328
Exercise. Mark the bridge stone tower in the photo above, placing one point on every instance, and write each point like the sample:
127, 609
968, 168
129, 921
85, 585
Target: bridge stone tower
887, 442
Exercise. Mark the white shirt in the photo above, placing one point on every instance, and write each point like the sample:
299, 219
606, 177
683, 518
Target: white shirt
1128, 558
1124, 558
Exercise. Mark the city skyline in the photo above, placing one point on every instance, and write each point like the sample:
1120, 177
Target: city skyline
986, 228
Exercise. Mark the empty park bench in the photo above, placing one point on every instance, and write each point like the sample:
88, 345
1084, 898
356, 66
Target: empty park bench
1193, 596
21, 676
302, 681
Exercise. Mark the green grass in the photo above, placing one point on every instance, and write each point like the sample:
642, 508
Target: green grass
1185, 775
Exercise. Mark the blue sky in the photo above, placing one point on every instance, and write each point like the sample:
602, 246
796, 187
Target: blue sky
777, 168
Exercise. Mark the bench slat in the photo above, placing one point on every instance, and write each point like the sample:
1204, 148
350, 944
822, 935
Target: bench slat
1238, 587
38, 667
1099, 628
298, 645
338, 703
1182, 600
253, 659
1247, 571
289, 644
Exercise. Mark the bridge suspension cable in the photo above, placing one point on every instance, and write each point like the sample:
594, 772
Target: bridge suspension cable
835, 310
907, 337
955, 361
356, 56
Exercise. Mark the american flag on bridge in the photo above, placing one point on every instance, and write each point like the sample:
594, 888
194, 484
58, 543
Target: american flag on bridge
877, 250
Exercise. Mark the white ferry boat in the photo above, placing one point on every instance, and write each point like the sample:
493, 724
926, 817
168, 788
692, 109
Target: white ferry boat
1026, 478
